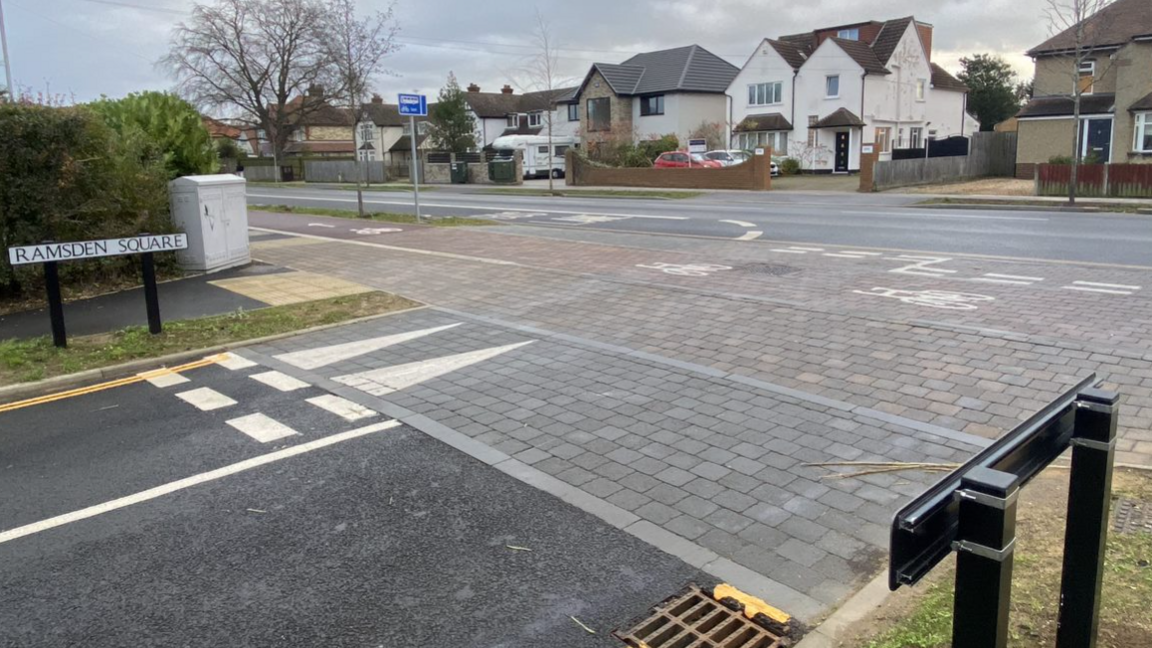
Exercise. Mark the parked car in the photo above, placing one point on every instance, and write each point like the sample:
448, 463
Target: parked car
684, 160
728, 158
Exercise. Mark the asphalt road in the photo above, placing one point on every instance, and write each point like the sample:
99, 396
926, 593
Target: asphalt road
870, 221
387, 538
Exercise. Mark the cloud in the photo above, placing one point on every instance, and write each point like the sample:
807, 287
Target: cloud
88, 48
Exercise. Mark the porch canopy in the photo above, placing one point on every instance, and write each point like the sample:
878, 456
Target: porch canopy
841, 118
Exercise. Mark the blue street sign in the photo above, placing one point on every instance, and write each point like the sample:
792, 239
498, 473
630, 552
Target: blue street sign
413, 104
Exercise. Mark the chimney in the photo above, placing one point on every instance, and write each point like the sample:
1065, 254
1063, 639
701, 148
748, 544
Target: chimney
315, 91
925, 31
377, 99
472, 87
507, 89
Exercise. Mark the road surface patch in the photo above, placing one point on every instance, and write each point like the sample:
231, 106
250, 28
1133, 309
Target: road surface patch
342, 407
233, 362
280, 381
206, 399
291, 287
263, 428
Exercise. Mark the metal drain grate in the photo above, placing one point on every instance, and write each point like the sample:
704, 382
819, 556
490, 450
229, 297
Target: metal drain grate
1131, 516
693, 619
769, 269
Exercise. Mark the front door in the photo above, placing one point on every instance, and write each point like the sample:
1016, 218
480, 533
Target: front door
841, 153
1098, 143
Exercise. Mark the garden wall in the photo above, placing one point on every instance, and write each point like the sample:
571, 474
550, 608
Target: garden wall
754, 175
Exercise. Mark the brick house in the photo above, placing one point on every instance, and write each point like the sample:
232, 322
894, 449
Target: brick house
820, 96
1114, 72
653, 94
506, 113
324, 131
384, 135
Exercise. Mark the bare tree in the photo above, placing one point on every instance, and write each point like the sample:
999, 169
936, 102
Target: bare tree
542, 76
264, 59
1075, 17
357, 47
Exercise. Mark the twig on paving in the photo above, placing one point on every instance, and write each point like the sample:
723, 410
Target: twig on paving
515, 548
579, 623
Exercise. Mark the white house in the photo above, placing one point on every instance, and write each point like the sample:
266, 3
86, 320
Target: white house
384, 135
506, 113
820, 96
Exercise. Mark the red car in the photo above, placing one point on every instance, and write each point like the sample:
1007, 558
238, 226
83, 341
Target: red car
683, 160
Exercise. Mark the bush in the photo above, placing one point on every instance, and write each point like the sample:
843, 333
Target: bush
171, 124
1066, 160
625, 153
67, 176
790, 166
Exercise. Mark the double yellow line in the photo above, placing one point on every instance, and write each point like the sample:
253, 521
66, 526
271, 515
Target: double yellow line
112, 384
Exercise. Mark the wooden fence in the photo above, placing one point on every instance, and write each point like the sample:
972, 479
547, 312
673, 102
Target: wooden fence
989, 155
344, 171
1096, 180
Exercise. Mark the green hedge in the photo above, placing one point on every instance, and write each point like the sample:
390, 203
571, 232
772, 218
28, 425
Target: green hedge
67, 176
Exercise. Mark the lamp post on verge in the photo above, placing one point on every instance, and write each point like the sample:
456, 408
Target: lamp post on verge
4, 52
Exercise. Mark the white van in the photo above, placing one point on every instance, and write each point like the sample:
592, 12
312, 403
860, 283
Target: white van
537, 162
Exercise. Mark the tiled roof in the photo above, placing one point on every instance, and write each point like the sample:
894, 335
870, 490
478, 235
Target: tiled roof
1056, 106
523, 129
1116, 24
497, 105
769, 122
889, 37
348, 147
405, 143
862, 54
840, 118
792, 55
383, 114
1142, 104
683, 69
944, 81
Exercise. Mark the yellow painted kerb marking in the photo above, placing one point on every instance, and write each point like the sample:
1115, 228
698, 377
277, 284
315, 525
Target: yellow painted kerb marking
112, 384
752, 605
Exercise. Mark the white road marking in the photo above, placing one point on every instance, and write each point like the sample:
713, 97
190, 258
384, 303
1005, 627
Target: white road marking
460, 206
1016, 277
263, 428
1009, 282
739, 223
790, 251
372, 231
380, 382
342, 407
164, 378
325, 225
234, 362
921, 267
188, 482
685, 269
589, 219
923, 215
750, 236
805, 249
381, 246
323, 356
861, 253
1106, 291
509, 215
280, 381
1105, 285
206, 399
931, 298
843, 256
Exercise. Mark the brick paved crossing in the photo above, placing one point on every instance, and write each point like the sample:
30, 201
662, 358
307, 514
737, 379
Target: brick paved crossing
917, 363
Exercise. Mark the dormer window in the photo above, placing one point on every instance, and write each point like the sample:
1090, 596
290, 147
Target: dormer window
849, 34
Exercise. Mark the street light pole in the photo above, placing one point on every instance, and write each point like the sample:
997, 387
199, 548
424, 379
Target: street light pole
4, 51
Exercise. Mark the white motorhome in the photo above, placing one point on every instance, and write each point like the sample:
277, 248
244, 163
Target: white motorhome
537, 162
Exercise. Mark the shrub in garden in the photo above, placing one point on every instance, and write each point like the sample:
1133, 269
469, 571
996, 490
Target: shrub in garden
170, 124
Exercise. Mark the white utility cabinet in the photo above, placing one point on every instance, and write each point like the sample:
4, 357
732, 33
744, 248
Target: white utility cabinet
213, 211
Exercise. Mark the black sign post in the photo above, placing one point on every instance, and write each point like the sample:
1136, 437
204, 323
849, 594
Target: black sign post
973, 511
55, 305
50, 254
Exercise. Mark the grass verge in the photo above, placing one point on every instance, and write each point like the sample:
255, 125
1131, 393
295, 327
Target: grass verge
406, 188
922, 618
1040, 204
36, 359
383, 217
596, 193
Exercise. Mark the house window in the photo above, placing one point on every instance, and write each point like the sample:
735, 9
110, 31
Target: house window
535, 119
850, 34
367, 156
653, 105
422, 127
366, 132
900, 138
915, 135
921, 85
883, 139
513, 120
812, 134
561, 150
1087, 76
832, 86
573, 112
600, 114
1143, 142
766, 94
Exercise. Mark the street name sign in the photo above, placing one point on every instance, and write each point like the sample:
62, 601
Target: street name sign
77, 250
414, 105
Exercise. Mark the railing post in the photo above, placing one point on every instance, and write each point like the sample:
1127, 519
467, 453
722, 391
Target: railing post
985, 540
1086, 533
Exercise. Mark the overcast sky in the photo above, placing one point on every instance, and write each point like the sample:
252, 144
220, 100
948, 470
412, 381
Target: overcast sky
86, 48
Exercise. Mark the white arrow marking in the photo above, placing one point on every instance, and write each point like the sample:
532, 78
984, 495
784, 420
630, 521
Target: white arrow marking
380, 382
316, 358
750, 236
740, 223
321, 225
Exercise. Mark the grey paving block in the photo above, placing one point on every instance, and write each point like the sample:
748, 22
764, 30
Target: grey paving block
675, 476
767, 513
805, 530
657, 513
734, 500
722, 542
727, 520
801, 552
688, 527
709, 470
